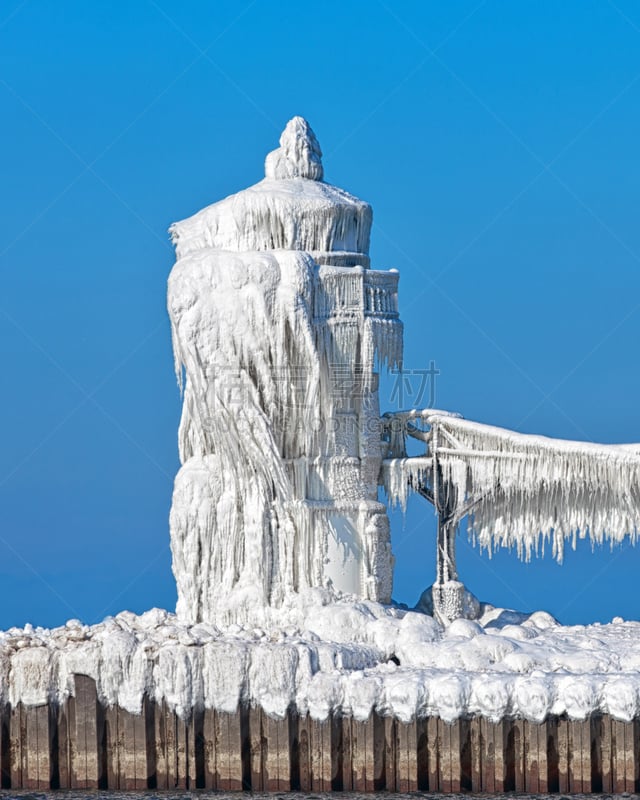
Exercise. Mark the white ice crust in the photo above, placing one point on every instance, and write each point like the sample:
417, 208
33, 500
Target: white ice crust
291, 209
323, 654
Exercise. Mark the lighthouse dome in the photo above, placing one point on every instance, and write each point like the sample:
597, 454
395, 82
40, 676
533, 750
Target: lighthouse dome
292, 208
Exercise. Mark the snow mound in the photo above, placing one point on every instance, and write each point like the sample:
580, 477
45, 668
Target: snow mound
322, 654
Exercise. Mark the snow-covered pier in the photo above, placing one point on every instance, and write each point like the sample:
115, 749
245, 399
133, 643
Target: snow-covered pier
82, 744
332, 695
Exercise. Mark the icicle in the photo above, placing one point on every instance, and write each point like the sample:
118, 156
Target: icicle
530, 489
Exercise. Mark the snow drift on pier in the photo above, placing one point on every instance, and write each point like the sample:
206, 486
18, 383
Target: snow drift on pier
324, 655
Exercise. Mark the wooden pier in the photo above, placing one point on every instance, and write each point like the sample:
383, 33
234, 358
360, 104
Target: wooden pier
83, 745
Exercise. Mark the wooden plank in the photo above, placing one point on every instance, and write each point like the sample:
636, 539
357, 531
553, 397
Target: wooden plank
191, 766
402, 758
112, 748
211, 734
192, 723
500, 754
617, 744
277, 757
30, 749
182, 777
390, 754
199, 745
444, 746
575, 757
518, 755
456, 755
15, 747
133, 752
596, 753
379, 752
100, 746
365, 777
553, 779
465, 754
257, 747
36, 754
531, 756
61, 778
477, 735
487, 759
234, 734
412, 755
320, 732
5, 750
336, 753
580, 756
346, 755
629, 757
171, 747
606, 753
563, 755
538, 757
229, 757
149, 710
433, 755
585, 731
407, 757
72, 744
52, 720
17, 737
127, 748
160, 746
636, 751
543, 757
370, 778
304, 753
121, 748
223, 770
362, 744
624, 756
358, 756
422, 759
85, 764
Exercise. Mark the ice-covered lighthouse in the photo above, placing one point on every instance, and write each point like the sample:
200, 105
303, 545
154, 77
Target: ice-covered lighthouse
279, 325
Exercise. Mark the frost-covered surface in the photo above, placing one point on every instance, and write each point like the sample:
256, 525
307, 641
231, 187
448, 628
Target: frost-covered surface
322, 654
291, 209
277, 328
525, 490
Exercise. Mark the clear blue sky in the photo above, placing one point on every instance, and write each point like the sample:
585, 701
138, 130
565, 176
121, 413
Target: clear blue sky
498, 145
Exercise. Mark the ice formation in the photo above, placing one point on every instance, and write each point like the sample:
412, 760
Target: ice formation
278, 324
324, 656
280, 547
518, 490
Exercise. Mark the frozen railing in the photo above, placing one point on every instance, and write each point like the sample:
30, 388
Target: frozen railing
517, 490
350, 291
398, 426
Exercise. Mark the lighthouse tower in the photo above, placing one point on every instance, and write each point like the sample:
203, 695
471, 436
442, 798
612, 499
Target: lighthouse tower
279, 326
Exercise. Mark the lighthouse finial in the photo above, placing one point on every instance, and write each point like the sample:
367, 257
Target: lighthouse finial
299, 154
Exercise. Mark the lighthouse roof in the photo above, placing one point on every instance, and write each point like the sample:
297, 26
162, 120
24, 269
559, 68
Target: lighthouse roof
292, 208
